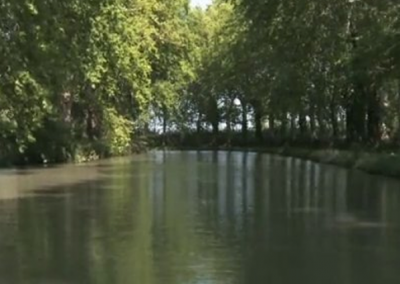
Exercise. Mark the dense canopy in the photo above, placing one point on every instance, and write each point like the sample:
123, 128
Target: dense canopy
82, 79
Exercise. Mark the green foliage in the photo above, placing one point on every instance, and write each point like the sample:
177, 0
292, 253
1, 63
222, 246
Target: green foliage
117, 137
77, 75
302, 70
86, 78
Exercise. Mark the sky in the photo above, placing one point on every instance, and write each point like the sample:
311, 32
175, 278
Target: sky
201, 3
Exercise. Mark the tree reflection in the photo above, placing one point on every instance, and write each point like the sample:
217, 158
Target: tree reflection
205, 217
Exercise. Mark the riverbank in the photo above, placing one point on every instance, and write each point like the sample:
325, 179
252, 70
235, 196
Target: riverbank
81, 154
376, 163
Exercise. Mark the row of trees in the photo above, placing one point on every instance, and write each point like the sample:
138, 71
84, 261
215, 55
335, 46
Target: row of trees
81, 78
324, 71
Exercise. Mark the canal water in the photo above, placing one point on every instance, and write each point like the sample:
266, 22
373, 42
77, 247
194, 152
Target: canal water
198, 218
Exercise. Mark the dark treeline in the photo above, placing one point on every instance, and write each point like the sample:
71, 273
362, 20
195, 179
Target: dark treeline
91, 78
325, 72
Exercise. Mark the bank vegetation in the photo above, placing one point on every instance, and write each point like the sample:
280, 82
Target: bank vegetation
87, 79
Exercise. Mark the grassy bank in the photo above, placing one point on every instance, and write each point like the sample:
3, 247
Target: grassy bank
378, 163
373, 162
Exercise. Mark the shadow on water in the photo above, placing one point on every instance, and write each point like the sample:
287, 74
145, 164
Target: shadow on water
201, 217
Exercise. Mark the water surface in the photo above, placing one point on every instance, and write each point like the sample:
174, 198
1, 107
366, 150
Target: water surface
198, 218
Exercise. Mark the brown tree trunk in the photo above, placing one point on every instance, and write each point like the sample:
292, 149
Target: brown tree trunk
215, 128
284, 126
293, 127
334, 122
312, 122
321, 123
244, 122
271, 122
302, 126
374, 116
258, 124
356, 116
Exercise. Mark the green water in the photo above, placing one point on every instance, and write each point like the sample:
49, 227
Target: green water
198, 218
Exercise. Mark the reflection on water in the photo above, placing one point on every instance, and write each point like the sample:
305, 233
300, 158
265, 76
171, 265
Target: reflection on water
199, 217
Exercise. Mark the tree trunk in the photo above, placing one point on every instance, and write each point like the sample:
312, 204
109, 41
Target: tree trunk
395, 137
89, 124
215, 127
293, 127
356, 116
321, 123
374, 116
302, 126
198, 125
349, 124
228, 129
164, 125
215, 132
312, 122
66, 107
271, 122
229, 124
213, 117
244, 122
198, 130
284, 126
334, 122
258, 124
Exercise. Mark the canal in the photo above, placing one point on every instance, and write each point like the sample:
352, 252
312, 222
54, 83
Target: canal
198, 218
